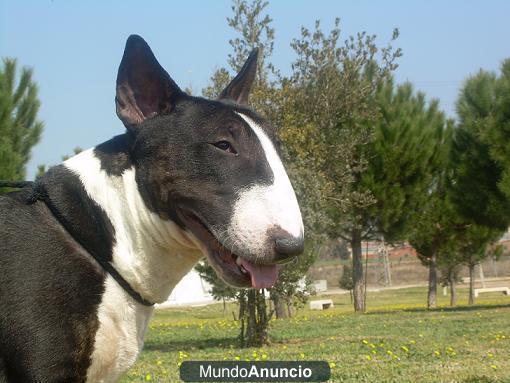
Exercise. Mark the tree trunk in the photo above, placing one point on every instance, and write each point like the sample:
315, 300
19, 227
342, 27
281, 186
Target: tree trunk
471, 283
251, 319
290, 308
453, 290
432, 294
357, 271
242, 312
494, 266
280, 306
262, 320
386, 265
256, 320
482, 276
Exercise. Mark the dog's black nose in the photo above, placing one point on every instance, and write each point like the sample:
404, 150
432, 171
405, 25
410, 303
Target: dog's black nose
287, 248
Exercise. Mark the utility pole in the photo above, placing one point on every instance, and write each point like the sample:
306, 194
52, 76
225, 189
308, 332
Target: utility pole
383, 254
482, 277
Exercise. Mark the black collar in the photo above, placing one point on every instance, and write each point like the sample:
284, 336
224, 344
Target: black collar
39, 193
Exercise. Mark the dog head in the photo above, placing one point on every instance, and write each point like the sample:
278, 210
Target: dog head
212, 167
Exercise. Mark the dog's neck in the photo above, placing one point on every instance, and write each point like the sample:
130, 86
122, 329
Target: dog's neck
150, 253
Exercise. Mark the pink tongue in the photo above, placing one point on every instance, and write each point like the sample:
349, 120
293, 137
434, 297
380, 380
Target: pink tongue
262, 276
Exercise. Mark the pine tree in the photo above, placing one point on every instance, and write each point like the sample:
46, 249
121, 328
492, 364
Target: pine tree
498, 136
19, 128
480, 134
407, 174
482, 164
404, 157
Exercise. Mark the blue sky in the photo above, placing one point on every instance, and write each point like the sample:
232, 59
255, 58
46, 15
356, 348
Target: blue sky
75, 48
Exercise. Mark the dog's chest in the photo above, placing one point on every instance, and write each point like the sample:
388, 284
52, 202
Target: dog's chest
119, 338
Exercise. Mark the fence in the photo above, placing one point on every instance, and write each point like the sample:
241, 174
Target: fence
405, 269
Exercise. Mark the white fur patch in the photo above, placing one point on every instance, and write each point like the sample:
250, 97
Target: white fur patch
119, 339
261, 207
150, 253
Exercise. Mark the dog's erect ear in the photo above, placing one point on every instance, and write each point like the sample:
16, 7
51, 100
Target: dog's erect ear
239, 88
144, 89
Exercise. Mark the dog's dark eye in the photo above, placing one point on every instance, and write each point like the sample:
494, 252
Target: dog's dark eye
226, 146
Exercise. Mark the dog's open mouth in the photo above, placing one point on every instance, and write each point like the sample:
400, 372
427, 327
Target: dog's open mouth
233, 269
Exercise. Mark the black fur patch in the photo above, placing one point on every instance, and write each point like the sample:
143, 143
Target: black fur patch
177, 163
82, 217
50, 289
114, 154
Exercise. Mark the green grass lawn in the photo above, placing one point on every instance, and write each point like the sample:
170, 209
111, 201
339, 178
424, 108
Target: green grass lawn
398, 340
